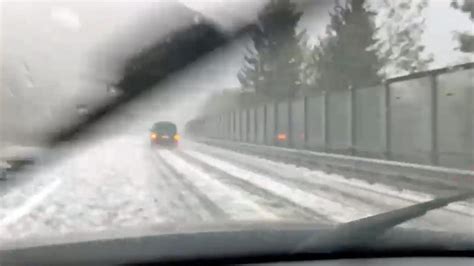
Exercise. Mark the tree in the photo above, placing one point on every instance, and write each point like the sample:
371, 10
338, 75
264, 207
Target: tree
230, 99
272, 65
343, 58
399, 36
222, 101
466, 40
308, 69
467, 6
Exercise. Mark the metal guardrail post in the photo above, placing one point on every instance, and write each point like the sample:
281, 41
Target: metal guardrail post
242, 126
325, 123
264, 129
217, 125
290, 123
241, 129
233, 126
255, 124
247, 125
387, 121
352, 121
434, 119
211, 128
236, 126
275, 123
305, 121
228, 126
471, 120
471, 97
222, 126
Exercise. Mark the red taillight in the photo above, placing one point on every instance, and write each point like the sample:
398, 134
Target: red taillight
282, 137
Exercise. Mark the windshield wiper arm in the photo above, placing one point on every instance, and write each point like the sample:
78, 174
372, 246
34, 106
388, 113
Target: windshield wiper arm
365, 230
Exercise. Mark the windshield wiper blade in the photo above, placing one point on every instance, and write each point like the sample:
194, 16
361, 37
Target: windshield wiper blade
365, 230
175, 53
186, 47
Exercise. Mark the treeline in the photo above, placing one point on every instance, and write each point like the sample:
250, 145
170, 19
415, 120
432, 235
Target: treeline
466, 39
281, 62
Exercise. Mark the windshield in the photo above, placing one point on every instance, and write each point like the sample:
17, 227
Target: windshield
320, 112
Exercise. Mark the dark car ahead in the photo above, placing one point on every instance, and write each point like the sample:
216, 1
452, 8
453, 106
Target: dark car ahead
164, 134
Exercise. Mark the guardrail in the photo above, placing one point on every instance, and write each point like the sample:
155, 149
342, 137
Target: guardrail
403, 175
424, 118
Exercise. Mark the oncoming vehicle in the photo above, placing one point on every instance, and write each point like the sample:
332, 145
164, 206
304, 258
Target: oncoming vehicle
164, 134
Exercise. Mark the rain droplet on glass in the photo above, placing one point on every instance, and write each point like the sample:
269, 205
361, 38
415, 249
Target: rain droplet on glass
10, 92
29, 83
26, 67
82, 109
111, 90
197, 19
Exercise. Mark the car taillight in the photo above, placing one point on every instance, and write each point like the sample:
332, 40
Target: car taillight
154, 136
282, 137
176, 137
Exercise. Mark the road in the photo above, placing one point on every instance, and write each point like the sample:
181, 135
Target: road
123, 182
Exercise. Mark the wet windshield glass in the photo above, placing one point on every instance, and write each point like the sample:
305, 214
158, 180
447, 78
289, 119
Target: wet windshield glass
284, 112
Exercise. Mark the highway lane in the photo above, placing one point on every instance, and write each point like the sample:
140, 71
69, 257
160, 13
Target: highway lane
123, 182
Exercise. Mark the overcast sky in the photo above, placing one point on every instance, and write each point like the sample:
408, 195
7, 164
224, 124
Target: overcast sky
50, 50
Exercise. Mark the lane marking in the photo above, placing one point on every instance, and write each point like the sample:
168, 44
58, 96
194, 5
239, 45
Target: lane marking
230, 200
32, 203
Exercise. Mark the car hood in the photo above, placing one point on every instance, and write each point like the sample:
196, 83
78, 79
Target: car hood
161, 229
170, 242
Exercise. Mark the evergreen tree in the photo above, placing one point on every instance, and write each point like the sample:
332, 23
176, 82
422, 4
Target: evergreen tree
344, 60
308, 69
399, 36
222, 101
466, 39
272, 65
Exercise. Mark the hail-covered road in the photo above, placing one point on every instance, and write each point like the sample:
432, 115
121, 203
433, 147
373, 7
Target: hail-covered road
123, 182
